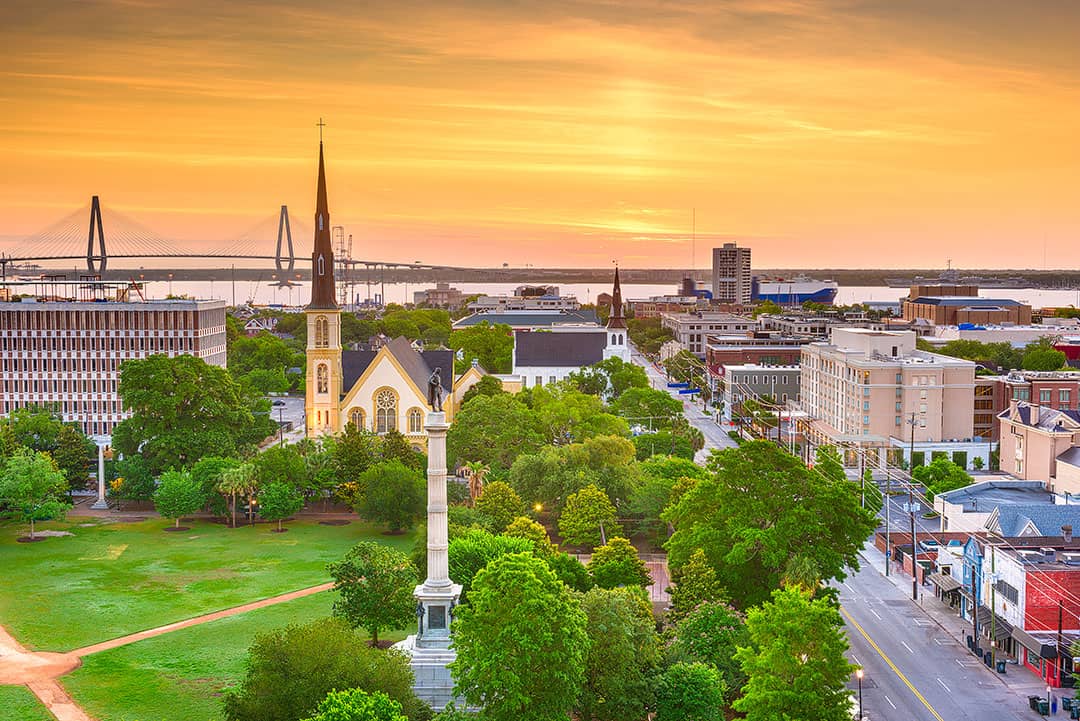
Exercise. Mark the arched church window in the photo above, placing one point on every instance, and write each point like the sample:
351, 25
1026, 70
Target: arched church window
613, 337
322, 332
322, 266
356, 417
416, 420
385, 411
322, 379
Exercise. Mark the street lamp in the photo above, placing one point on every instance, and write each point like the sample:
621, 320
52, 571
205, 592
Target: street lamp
281, 427
858, 675
170, 284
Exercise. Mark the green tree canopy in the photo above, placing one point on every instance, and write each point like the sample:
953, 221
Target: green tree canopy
492, 346
647, 445
177, 495
586, 513
352, 452
279, 500
522, 527
609, 378
795, 659
617, 564
38, 429
136, 479
376, 585
32, 487
184, 409
711, 632
647, 407
281, 464
494, 430
648, 334
486, 386
566, 415
570, 571
470, 552
550, 476
656, 491
624, 651
500, 504
1043, 359
521, 642
692, 692
761, 510
394, 495
358, 705
941, 475
289, 671
695, 583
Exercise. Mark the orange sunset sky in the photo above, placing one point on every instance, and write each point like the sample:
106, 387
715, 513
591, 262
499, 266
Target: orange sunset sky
819, 132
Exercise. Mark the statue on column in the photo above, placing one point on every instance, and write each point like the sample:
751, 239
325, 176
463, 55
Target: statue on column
435, 391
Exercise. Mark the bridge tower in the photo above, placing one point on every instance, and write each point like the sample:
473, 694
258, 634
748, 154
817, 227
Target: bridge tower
102, 259
283, 228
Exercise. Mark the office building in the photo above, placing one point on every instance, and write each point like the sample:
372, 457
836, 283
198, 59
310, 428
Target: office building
63, 349
691, 330
731, 278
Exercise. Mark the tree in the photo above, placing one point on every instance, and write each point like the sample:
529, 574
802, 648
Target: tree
522, 527
395, 446
281, 464
177, 495
762, 509
136, 482
566, 415
552, 475
648, 445
660, 474
617, 564
940, 476
1043, 359
693, 692
570, 571
279, 500
648, 334
376, 585
500, 504
477, 472
588, 515
828, 462
358, 705
711, 633
871, 494
624, 650
290, 670
470, 552
236, 482
487, 386
795, 659
494, 430
492, 346
394, 496
39, 429
647, 407
695, 583
610, 378
32, 487
521, 642
74, 453
183, 409
207, 473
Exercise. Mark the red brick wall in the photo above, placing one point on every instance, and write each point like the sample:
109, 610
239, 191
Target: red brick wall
1044, 590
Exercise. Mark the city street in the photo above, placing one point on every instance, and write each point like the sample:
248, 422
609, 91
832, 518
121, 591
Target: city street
715, 436
914, 669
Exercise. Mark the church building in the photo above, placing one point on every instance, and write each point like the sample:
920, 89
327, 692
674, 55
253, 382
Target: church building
378, 390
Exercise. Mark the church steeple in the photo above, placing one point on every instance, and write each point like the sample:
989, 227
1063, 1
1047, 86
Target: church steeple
323, 293
616, 320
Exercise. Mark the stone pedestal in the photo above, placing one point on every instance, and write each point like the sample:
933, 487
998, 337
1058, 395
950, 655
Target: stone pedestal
430, 649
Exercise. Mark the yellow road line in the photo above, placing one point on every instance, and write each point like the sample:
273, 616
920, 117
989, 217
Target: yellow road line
892, 665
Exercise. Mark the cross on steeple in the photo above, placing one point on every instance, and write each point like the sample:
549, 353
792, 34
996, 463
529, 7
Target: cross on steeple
321, 125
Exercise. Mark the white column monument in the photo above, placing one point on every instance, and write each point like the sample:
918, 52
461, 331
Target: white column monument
430, 649
102, 503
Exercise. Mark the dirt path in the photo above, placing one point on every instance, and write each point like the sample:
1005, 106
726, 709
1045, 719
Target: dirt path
150, 633
39, 671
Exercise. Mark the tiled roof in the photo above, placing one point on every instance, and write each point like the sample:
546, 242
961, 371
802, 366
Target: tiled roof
1048, 419
539, 319
1047, 519
575, 350
417, 364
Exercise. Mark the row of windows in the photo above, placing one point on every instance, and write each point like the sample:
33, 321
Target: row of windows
111, 343
1045, 395
93, 384
111, 319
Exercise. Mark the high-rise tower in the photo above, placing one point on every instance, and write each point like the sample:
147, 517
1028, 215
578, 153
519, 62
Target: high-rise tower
323, 396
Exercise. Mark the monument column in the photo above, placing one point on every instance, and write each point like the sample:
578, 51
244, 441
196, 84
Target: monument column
437, 530
102, 502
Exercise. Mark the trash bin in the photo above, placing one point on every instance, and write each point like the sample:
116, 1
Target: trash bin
988, 658
1066, 703
1033, 702
1001, 669
970, 642
1044, 708
1074, 712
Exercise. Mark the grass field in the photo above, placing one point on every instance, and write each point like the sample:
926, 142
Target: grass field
16, 702
181, 675
112, 579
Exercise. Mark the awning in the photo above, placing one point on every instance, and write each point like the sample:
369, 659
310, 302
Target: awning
1002, 628
947, 584
1025, 639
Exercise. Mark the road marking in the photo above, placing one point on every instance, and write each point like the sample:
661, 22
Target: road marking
907, 647
877, 614
849, 586
892, 665
890, 702
855, 660
944, 686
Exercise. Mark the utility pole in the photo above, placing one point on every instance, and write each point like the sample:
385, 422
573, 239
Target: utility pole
911, 446
1060, 654
914, 544
888, 523
993, 606
862, 480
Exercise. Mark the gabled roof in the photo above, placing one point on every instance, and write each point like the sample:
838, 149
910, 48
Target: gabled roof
1047, 419
529, 318
418, 365
1071, 456
1036, 519
559, 350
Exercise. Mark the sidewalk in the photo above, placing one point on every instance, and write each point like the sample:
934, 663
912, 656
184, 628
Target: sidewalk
1017, 678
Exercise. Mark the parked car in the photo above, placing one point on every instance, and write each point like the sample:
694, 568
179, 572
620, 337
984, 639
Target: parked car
278, 403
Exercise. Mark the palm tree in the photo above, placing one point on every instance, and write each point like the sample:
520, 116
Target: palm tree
237, 481
477, 471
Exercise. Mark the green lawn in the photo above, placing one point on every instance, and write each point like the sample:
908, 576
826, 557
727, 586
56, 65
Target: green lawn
181, 675
16, 702
113, 579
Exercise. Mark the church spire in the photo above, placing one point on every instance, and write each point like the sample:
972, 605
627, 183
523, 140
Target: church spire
322, 258
616, 320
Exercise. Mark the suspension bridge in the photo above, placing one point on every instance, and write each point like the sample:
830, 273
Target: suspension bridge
98, 238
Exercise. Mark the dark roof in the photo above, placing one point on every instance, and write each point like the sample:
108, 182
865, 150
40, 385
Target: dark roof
1047, 519
555, 349
417, 364
1049, 419
966, 301
529, 318
1071, 456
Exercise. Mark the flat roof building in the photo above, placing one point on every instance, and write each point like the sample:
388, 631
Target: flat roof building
691, 330
732, 281
954, 310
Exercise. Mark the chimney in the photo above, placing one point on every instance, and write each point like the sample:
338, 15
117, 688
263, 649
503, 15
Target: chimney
1066, 533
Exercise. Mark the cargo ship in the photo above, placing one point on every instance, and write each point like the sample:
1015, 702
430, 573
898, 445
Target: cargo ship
794, 291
